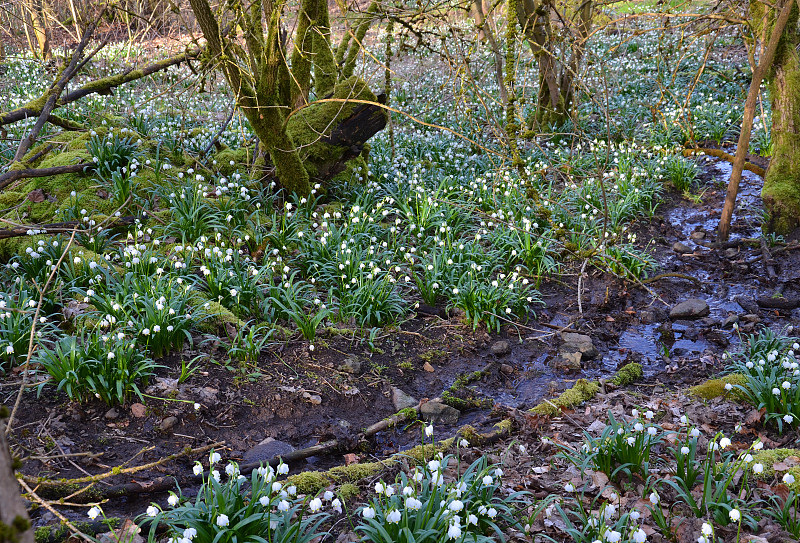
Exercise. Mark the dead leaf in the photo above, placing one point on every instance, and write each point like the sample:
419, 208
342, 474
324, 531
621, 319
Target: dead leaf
37, 196
755, 417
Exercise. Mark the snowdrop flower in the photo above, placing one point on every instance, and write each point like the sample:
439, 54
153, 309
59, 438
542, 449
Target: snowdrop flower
368, 513
788, 418
652, 430
283, 469
707, 529
685, 450
327, 496
639, 536
491, 513
152, 511
463, 443
788, 478
498, 472
758, 468
413, 504
215, 475
214, 458
569, 487
654, 499
394, 516
222, 521
456, 506
380, 487
695, 432
93, 512
734, 515
612, 536
487, 480
197, 469
336, 505
434, 465
724, 443
276, 487
315, 505
429, 430
172, 500
189, 533
454, 532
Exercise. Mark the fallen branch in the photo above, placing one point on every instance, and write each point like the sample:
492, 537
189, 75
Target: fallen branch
718, 153
660, 276
13, 175
103, 86
57, 228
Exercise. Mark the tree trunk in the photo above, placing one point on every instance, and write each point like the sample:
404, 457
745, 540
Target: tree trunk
781, 193
15, 526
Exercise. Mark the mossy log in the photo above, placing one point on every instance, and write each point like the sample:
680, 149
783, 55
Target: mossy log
28, 173
55, 228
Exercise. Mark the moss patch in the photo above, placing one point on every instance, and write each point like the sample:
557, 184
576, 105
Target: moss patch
715, 388
768, 458
355, 472
627, 375
580, 392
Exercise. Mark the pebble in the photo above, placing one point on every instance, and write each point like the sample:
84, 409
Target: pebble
401, 400
427, 367
505, 368
112, 413
138, 410
439, 413
351, 364
681, 248
500, 348
168, 423
266, 450
693, 308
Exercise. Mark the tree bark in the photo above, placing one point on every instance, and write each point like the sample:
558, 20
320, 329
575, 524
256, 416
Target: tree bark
15, 526
781, 192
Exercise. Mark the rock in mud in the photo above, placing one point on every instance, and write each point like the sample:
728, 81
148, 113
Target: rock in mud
748, 304
138, 410
501, 348
693, 308
351, 364
401, 400
167, 424
730, 321
697, 235
507, 369
313, 399
427, 367
578, 343
436, 412
207, 396
568, 362
112, 413
652, 315
681, 248
266, 451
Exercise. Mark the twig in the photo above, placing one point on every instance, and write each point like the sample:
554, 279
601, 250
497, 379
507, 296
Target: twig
660, 276
50, 508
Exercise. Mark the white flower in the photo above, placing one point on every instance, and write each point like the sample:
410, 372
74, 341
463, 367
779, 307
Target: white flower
429, 430
487, 480
197, 469
283, 506
368, 513
434, 465
498, 472
327, 496
380, 488
283, 469
707, 529
455, 506
172, 500
612, 536
336, 505
788, 478
788, 418
685, 450
724, 442
231, 470
654, 499
189, 533
394, 516
569, 488
214, 458
315, 505
276, 487
652, 430
222, 521
152, 511
413, 504
639, 536
758, 468
93, 512
491, 513
454, 532
463, 443
10, 349
735, 515
215, 475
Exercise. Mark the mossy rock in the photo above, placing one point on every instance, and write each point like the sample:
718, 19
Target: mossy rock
217, 316
715, 388
582, 391
309, 482
627, 375
355, 472
769, 457
238, 156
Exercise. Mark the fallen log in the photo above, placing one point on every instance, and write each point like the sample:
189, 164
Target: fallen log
27, 173
57, 227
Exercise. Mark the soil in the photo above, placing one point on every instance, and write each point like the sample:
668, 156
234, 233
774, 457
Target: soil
305, 397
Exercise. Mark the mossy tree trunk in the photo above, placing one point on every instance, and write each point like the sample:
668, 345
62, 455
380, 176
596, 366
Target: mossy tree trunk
781, 193
556, 75
40, 45
269, 89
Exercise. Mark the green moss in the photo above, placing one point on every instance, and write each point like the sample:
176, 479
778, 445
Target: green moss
435, 354
580, 392
715, 388
627, 374
11, 199
309, 482
66, 158
355, 472
217, 316
348, 491
11, 533
768, 458
240, 158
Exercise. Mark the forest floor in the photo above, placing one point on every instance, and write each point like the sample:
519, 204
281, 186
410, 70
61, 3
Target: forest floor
301, 398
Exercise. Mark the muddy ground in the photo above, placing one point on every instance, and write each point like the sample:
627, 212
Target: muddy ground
302, 398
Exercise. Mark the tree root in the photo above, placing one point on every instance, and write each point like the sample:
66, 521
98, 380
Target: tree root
660, 276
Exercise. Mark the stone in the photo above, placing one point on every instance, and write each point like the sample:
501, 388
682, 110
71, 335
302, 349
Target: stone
313, 399
652, 315
681, 248
266, 450
352, 365
207, 396
581, 343
162, 386
751, 317
730, 321
138, 410
427, 367
437, 412
507, 369
693, 308
748, 304
698, 235
168, 423
112, 413
500, 348
401, 400
731, 252
568, 362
